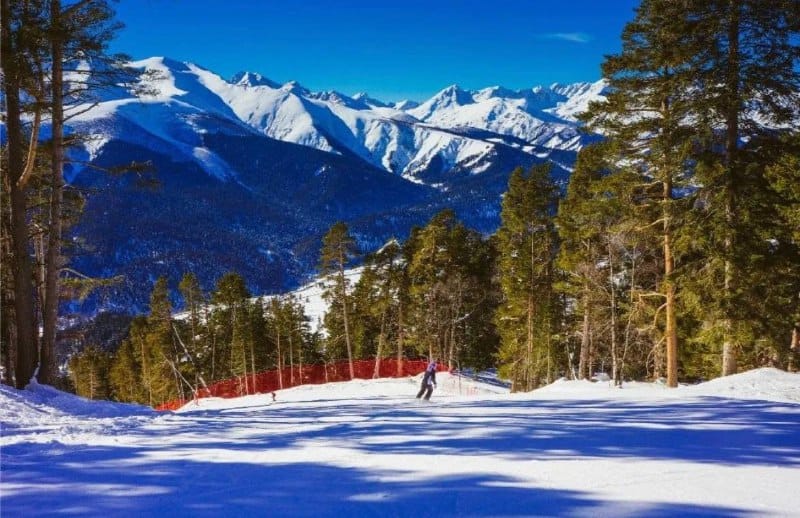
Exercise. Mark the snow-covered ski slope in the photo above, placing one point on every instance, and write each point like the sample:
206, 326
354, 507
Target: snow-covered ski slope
729, 447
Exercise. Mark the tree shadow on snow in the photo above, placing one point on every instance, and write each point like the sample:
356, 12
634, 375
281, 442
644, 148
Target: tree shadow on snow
708, 430
124, 481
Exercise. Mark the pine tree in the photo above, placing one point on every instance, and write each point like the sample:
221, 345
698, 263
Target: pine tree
274, 327
429, 270
126, 374
769, 273
159, 351
474, 341
646, 115
89, 371
17, 45
193, 300
784, 178
387, 306
297, 333
367, 332
230, 318
195, 345
287, 330
526, 243
240, 341
259, 350
338, 250
53, 258
747, 77
582, 247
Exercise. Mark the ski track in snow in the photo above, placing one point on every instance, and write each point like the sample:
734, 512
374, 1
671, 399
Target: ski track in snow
729, 447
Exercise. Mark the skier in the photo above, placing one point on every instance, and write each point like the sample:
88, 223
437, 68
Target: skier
428, 381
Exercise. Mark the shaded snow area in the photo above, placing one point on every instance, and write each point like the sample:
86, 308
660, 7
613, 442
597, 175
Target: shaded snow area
729, 447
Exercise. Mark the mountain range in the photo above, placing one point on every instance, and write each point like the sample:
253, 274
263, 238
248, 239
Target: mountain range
252, 172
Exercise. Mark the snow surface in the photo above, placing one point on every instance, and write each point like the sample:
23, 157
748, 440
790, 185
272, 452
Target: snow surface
729, 447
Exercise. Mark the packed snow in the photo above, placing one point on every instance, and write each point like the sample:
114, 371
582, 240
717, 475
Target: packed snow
729, 447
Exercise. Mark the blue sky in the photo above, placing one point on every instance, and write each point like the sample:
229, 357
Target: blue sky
392, 50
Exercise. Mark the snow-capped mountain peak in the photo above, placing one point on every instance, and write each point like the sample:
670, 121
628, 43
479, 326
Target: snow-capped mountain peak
497, 92
334, 97
295, 88
577, 97
403, 138
405, 105
252, 79
456, 94
451, 98
364, 98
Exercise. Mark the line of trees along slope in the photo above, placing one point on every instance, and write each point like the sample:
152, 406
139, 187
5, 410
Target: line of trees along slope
432, 296
551, 294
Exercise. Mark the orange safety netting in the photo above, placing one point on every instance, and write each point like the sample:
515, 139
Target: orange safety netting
270, 381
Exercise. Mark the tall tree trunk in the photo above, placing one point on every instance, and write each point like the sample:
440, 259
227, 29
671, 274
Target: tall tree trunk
529, 346
291, 359
253, 365
213, 353
343, 287
583, 362
529, 322
614, 352
280, 362
231, 349
23, 289
244, 370
8, 322
47, 366
9, 334
377, 372
37, 238
145, 373
300, 360
242, 339
671, 332
627, 341
212, 337
452, 350
178, 386
400, 337
729, 345
432, 339
550, 363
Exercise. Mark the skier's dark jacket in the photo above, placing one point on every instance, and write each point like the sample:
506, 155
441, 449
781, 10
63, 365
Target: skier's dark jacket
430, 375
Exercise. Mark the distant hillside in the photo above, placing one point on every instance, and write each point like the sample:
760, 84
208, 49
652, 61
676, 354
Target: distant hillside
253, 173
